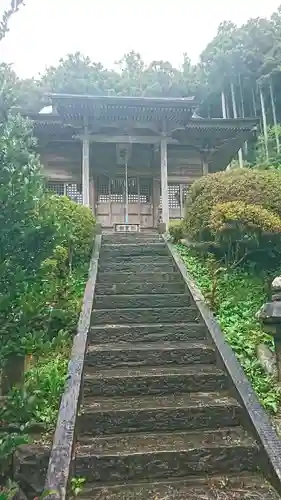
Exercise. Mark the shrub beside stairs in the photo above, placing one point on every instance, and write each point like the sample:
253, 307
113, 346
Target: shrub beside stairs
159, 419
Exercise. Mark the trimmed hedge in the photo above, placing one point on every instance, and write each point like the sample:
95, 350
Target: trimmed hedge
238, 211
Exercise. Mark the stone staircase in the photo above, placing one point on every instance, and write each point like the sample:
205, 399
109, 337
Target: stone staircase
158, 419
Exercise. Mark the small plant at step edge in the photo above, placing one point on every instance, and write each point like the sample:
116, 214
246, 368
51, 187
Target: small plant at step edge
77, 485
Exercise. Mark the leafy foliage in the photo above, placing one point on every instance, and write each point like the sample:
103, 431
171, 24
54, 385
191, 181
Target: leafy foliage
274, 156
239, 295
42, 273
75, 228
27, 234
241, 229
14, 6
239, 211
176, 230
43, 325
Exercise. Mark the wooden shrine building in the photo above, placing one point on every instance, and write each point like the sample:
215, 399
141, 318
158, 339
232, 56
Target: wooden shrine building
132, 159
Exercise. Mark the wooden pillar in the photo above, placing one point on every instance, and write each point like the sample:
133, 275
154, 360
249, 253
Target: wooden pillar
86, 171
92, 195
164, 183
156, 201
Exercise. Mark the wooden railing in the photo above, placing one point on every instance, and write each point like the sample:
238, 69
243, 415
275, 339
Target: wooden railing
60, 461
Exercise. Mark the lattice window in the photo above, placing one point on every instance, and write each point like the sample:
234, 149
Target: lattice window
103, 189
74, 192
117, 190
174, 195
145, 190
57, 187
133, 196
184, 193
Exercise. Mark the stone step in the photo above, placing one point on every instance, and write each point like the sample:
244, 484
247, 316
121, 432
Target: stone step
145, 315
151, 277
159, 455
114, 239
141, 301
132, 267
134, 250
147, 333
155, 354
187, 411
139, 288
154, 380
244, 486
136, 259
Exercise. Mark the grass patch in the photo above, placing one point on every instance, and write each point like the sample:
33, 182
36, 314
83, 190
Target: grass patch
239, 294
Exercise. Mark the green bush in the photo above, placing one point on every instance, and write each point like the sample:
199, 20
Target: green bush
42, 239
242, 230
49, 302
27, 227
239, 211
75, 228
176, 230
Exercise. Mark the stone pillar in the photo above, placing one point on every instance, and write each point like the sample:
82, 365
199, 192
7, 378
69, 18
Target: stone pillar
164, 183
86, 171
270, 316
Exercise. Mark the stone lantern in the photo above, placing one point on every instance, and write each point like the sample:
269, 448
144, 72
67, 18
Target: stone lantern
270, 316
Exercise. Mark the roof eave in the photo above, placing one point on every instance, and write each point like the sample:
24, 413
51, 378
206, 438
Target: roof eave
129, 100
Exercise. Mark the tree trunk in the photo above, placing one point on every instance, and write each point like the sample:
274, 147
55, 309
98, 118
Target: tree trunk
242, 110
240, 155
274, 117
223, 104
264, 123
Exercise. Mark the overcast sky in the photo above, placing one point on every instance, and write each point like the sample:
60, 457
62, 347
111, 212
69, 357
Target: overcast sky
45, 30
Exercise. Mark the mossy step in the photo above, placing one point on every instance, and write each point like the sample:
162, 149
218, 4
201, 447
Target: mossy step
159, 455
134, 250
148, 354
187, 411
216, 487
154, 380
135, 301
130, 239
139, 288
136, 277
135, 259
147, 333
132, 267
144, 315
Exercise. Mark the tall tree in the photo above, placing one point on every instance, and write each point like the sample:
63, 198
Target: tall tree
14, 6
